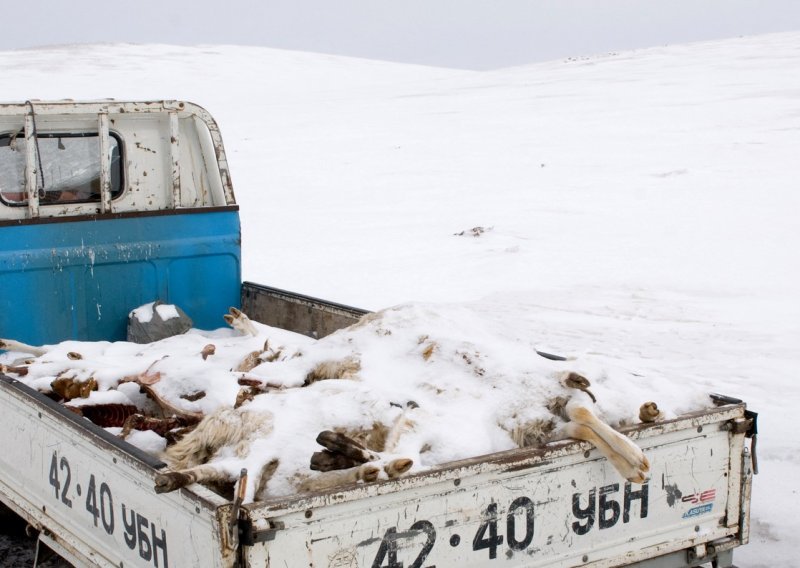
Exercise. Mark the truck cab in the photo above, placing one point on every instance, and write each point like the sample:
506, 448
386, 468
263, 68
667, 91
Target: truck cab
105, 206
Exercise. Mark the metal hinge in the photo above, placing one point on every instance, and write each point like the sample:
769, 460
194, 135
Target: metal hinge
752, 433
739, 425
250, 536
747, 425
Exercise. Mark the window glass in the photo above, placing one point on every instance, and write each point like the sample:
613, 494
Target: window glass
70, 171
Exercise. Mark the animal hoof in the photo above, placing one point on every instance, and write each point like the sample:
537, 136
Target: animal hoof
640, 478
166, 482
575, 381
239, 321
208, 350
398, 467
649, 412
369, 473
640, 471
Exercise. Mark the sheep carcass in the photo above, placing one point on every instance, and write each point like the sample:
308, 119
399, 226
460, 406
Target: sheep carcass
392, 355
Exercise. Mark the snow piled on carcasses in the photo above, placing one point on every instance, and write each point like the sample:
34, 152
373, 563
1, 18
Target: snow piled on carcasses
473, 379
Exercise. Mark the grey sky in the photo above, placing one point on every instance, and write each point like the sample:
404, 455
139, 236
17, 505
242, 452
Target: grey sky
473, 34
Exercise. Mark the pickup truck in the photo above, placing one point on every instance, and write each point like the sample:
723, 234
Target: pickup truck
107, 205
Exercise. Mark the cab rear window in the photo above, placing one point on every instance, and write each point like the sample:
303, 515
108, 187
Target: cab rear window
70, 168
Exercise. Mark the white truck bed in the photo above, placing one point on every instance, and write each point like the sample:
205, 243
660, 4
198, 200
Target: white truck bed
563, 505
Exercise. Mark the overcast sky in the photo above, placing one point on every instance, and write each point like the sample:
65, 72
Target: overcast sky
472, 34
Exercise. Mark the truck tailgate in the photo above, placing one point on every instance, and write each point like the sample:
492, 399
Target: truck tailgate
563, 505
94, 493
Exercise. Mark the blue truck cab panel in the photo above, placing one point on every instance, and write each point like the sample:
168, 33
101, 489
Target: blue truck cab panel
105, 206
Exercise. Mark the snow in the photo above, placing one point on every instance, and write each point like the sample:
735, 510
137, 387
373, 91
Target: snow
167, 311
473, 381
144, 313
642, 206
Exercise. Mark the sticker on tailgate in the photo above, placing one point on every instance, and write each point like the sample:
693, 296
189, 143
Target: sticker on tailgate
706, 498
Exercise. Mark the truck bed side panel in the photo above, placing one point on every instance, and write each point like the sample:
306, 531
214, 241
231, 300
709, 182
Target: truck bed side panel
562, 506
296, 312
94, 495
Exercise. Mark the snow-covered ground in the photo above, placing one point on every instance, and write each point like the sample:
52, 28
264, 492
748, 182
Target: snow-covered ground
642, 205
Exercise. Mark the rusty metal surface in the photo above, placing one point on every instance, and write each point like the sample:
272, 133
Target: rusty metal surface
123, 215
175, 158
160, 138
105, 163
746, 490
294, 312
31, 168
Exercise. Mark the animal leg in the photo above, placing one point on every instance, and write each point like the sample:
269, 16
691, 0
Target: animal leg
132, 422
338, 443
366, 472
402, 424
13, 345
327, 460
346, 368
614, 442
172, 480
398, 467
250, 362
21, 371
167, 408
239, 321
264, 476
580, 432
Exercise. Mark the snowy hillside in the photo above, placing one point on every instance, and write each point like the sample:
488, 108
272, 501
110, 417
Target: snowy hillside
642, 206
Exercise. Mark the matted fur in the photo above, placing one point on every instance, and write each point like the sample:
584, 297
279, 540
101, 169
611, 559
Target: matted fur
237, 428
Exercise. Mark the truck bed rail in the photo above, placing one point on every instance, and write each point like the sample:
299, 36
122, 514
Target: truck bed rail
295, 312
